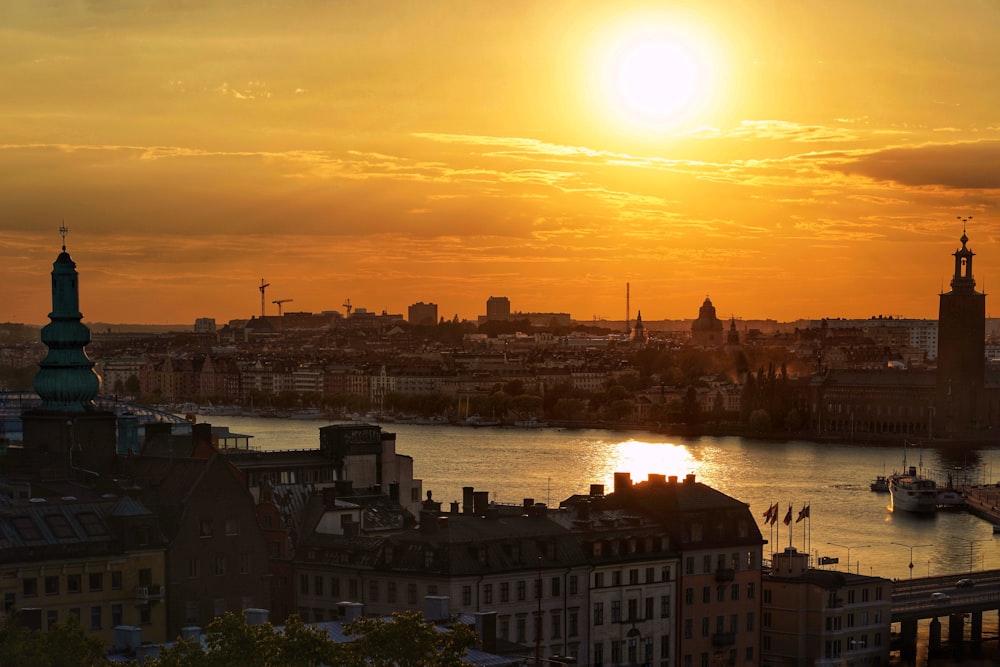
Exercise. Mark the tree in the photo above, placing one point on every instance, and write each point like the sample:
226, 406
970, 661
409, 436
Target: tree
760, 421
64, 645
405, 641
690, 410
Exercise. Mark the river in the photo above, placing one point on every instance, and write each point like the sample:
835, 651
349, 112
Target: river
845, 517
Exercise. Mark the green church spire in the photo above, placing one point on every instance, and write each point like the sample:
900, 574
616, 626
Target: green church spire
66, 380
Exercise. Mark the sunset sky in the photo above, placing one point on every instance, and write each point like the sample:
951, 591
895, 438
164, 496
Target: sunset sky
787, 158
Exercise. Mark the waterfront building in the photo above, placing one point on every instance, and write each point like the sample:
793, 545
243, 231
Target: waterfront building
961, 396
822, 617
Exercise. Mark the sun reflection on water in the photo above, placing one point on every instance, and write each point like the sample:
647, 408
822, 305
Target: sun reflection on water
641, 459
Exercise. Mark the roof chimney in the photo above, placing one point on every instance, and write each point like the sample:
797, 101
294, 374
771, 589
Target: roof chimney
623, 482
467, 499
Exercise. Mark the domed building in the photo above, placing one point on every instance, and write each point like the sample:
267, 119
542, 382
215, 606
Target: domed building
706, 331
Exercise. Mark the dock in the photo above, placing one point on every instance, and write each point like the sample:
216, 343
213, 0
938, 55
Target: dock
983, 501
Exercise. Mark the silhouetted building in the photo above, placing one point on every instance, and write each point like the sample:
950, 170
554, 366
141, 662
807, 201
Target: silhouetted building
422, 313
497, 308
706, 331
961, 351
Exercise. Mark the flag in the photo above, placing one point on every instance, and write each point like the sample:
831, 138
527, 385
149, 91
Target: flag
774, 514
803, 513
788, 517
767, 514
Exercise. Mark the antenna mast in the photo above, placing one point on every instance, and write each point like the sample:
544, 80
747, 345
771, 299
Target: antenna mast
263, 286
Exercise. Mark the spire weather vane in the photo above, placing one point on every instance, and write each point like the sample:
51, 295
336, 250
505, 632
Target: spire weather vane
965, 221
63, 231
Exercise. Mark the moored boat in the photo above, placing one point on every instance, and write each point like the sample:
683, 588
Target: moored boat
880, 484
912, 492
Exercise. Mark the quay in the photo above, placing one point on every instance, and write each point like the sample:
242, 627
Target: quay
983, 501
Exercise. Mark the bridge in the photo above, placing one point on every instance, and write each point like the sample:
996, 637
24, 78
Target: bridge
935, 597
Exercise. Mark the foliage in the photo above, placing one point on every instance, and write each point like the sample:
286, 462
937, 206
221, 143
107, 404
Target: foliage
64, 645
760, 421
405, 641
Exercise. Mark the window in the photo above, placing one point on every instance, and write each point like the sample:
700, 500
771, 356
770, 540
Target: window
689, 595
488, 593
521, 626
232, 526
505, 628
318, 584
556, 587
750, 590
616, 611
206, 528
599, 580
352, 589
650, 575
688, 628
704, 626
633, 577
598, 654
749, 654
706, 564
95, 618
60, 527
117, 614
538, 588
850, 597
573, 623
246, 564
373, 590
522, 590
145, 578
556, 625
335, 587
52, 585
390, 591
720, 594
706, 594
467, 595
665, 573
96, 581
191, 611
304, 584
664, 606
73, 583
767, 597
750, 622
649, 609
573, 585
734, 592
598, 613
616, 578
411, 593
505, 592
9, 602
220, 566
51, 618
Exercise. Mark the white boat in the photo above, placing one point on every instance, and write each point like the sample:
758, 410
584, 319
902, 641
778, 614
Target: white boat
949, 497
911, 492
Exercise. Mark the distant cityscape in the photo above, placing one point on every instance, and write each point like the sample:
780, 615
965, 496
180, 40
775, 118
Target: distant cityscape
144, 523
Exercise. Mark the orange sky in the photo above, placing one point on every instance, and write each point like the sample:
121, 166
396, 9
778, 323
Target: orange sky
395, 152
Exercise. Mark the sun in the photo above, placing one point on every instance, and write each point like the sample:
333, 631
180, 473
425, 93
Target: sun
655, 78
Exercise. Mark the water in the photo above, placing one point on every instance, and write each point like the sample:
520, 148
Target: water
550, 464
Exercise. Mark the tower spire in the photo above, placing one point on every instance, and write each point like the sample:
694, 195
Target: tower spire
63, 231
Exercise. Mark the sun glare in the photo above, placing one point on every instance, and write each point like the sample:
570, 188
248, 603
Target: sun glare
655, 78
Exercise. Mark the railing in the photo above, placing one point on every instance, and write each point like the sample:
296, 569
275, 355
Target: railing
154, 592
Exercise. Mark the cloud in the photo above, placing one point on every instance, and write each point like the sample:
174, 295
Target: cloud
963, 166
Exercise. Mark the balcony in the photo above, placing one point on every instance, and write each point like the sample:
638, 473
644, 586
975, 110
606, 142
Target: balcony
724, 574
723, 639
148, 593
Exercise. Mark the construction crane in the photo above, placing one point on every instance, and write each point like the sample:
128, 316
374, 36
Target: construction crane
278, 303
263, 286
348, 307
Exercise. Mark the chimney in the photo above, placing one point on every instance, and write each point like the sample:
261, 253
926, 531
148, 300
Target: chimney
348, 611
201, 434
689, 479
467, 499
394, 492
486, 628
436, 607
481, 502
127, 637
528, 503
454, 507
596, 490
256, 616
623, 482
672, 479
657, 480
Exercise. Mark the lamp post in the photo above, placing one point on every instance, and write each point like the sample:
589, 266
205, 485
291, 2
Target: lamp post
911, 547
863, 546
972, 543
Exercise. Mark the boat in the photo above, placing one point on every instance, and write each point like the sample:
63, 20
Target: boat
912, 492
478, 422
880, 484
531, 422
949, 497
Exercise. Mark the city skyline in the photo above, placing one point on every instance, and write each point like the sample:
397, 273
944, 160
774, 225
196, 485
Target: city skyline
793, 160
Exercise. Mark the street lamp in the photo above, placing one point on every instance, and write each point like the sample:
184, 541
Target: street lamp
911, 547
971, 544
863, 546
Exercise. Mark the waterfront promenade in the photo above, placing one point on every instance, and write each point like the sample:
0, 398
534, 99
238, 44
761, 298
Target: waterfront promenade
983, 500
